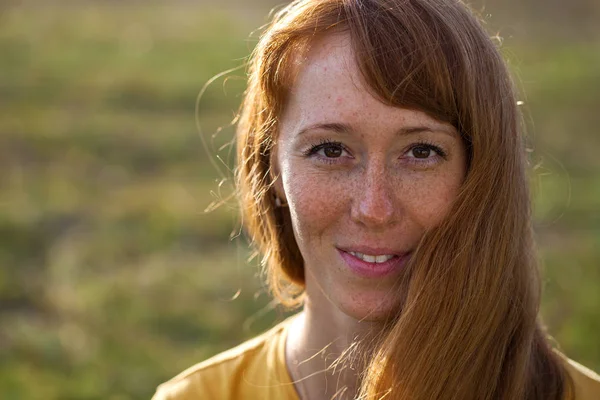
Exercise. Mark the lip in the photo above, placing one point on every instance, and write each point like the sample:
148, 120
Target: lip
375, 251
373, 270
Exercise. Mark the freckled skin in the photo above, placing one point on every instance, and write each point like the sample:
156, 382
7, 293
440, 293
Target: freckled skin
375, 194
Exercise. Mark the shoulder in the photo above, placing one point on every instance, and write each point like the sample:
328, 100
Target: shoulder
586, 382
254, 369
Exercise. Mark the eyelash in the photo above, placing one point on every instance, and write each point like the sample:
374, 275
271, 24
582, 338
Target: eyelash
334, 160
323, 143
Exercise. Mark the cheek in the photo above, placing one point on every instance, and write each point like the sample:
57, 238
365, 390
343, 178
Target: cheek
432, 198
315, 200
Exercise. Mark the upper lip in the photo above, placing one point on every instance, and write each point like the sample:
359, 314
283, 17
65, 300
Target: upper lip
373, 251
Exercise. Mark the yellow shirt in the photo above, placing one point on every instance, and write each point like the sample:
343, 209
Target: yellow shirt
256, 370
586, 381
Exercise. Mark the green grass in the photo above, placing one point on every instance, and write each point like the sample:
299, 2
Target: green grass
113, 278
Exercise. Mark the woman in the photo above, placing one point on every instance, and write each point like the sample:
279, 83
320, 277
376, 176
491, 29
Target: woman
382, 176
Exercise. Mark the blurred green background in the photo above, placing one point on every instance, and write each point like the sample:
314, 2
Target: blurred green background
112, 276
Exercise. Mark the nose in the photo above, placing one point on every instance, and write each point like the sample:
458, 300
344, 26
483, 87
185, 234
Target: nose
374, 204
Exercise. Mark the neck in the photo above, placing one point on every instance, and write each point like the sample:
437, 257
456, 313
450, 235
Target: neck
326, 351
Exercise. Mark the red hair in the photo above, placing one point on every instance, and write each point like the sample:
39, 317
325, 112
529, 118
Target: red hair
469, 324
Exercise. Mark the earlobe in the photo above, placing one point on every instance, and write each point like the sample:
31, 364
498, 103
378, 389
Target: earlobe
279, 194
279, 203
277, 184
278, 189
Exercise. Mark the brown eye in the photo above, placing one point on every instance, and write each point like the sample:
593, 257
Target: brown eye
332, 151
421, 152
328, 151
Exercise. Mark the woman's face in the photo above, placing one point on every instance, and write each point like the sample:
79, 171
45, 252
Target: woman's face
363, 181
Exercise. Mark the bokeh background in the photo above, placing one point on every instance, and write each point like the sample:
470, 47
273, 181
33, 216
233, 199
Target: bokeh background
113, 277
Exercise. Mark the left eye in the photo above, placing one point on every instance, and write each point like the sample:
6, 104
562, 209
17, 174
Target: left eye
425, 152
421, 152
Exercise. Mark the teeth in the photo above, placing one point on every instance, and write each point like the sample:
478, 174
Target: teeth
372, 259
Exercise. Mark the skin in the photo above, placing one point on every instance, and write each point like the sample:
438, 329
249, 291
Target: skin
380, 185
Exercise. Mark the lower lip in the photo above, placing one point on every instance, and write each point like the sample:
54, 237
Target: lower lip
373, 270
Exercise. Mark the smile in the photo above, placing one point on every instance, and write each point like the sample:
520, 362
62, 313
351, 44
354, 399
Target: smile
372, 259
373, 266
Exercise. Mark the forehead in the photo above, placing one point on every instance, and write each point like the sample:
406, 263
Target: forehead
329, 87
327, 71
329, 54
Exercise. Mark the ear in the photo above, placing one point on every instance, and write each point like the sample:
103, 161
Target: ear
275, 174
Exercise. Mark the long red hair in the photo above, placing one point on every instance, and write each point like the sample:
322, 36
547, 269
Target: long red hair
468, 327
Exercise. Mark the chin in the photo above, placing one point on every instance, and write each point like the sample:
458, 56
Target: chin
372, 307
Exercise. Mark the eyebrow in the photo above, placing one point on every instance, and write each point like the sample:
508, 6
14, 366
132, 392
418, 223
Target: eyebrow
346, 129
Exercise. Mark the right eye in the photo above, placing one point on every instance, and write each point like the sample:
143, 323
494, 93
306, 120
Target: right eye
330, 150
327, 151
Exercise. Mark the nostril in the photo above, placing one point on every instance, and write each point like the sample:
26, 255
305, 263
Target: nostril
374, 206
